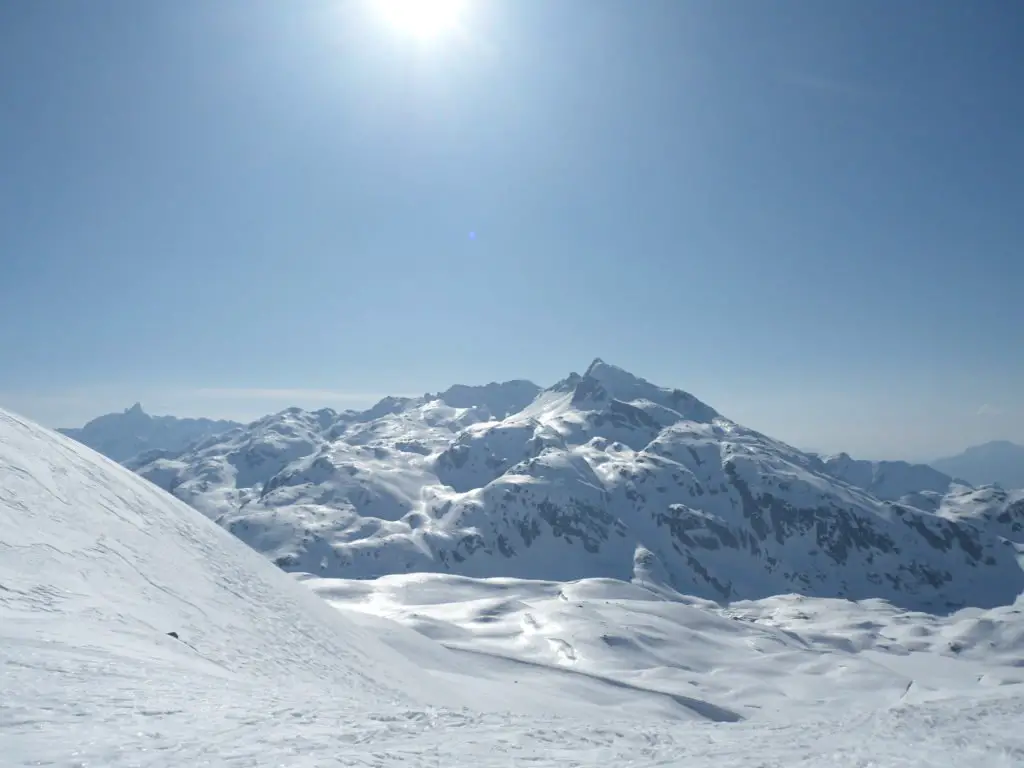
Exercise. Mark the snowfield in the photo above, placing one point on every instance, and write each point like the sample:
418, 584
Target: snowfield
725, 663
98, 567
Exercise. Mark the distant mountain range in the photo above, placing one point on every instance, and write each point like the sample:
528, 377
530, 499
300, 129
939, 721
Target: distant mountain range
601, 475
889, 480
999, 462
121, 436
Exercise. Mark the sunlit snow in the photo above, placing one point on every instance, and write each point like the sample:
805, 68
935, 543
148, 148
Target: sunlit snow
98, 567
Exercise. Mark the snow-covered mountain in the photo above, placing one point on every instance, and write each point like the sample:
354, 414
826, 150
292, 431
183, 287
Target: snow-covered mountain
999, 461
602, 475
497, 399
121, 436
889, 480
135, 632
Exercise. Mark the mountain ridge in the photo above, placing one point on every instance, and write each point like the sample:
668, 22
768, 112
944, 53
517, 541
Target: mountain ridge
122, 436
997, 461
601, 475
890, 480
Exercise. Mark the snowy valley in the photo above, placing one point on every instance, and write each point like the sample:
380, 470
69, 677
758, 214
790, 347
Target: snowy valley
601, 572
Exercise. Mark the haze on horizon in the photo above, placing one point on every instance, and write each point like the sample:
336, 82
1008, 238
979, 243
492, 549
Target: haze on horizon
807, 215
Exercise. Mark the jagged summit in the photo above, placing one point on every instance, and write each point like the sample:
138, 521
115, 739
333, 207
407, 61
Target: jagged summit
603, 382
122, 436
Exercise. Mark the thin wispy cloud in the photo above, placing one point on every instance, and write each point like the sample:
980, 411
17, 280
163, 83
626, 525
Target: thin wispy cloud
987, 409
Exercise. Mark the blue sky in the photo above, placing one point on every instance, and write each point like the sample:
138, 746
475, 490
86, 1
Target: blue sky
810, 215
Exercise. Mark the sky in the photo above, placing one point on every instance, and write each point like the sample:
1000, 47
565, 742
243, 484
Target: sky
809, 215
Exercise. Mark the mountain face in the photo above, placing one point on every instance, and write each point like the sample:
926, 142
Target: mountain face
999, 462
601, 475
121, 436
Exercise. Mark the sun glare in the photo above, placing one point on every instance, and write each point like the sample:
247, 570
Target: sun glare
425, 19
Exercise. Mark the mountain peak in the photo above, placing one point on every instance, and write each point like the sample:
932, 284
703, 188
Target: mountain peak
613, 377
603, 380
122, 435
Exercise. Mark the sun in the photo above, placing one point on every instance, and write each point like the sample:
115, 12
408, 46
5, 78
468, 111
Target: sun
424, 19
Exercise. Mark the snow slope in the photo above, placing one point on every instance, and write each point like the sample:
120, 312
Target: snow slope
777, 658
602, 475
97, 566
120, 436
88, 546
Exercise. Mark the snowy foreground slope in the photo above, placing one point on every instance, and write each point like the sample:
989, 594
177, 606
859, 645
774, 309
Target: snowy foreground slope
602, 475
97, 566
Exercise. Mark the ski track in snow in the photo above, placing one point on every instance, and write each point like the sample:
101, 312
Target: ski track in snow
97, 566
